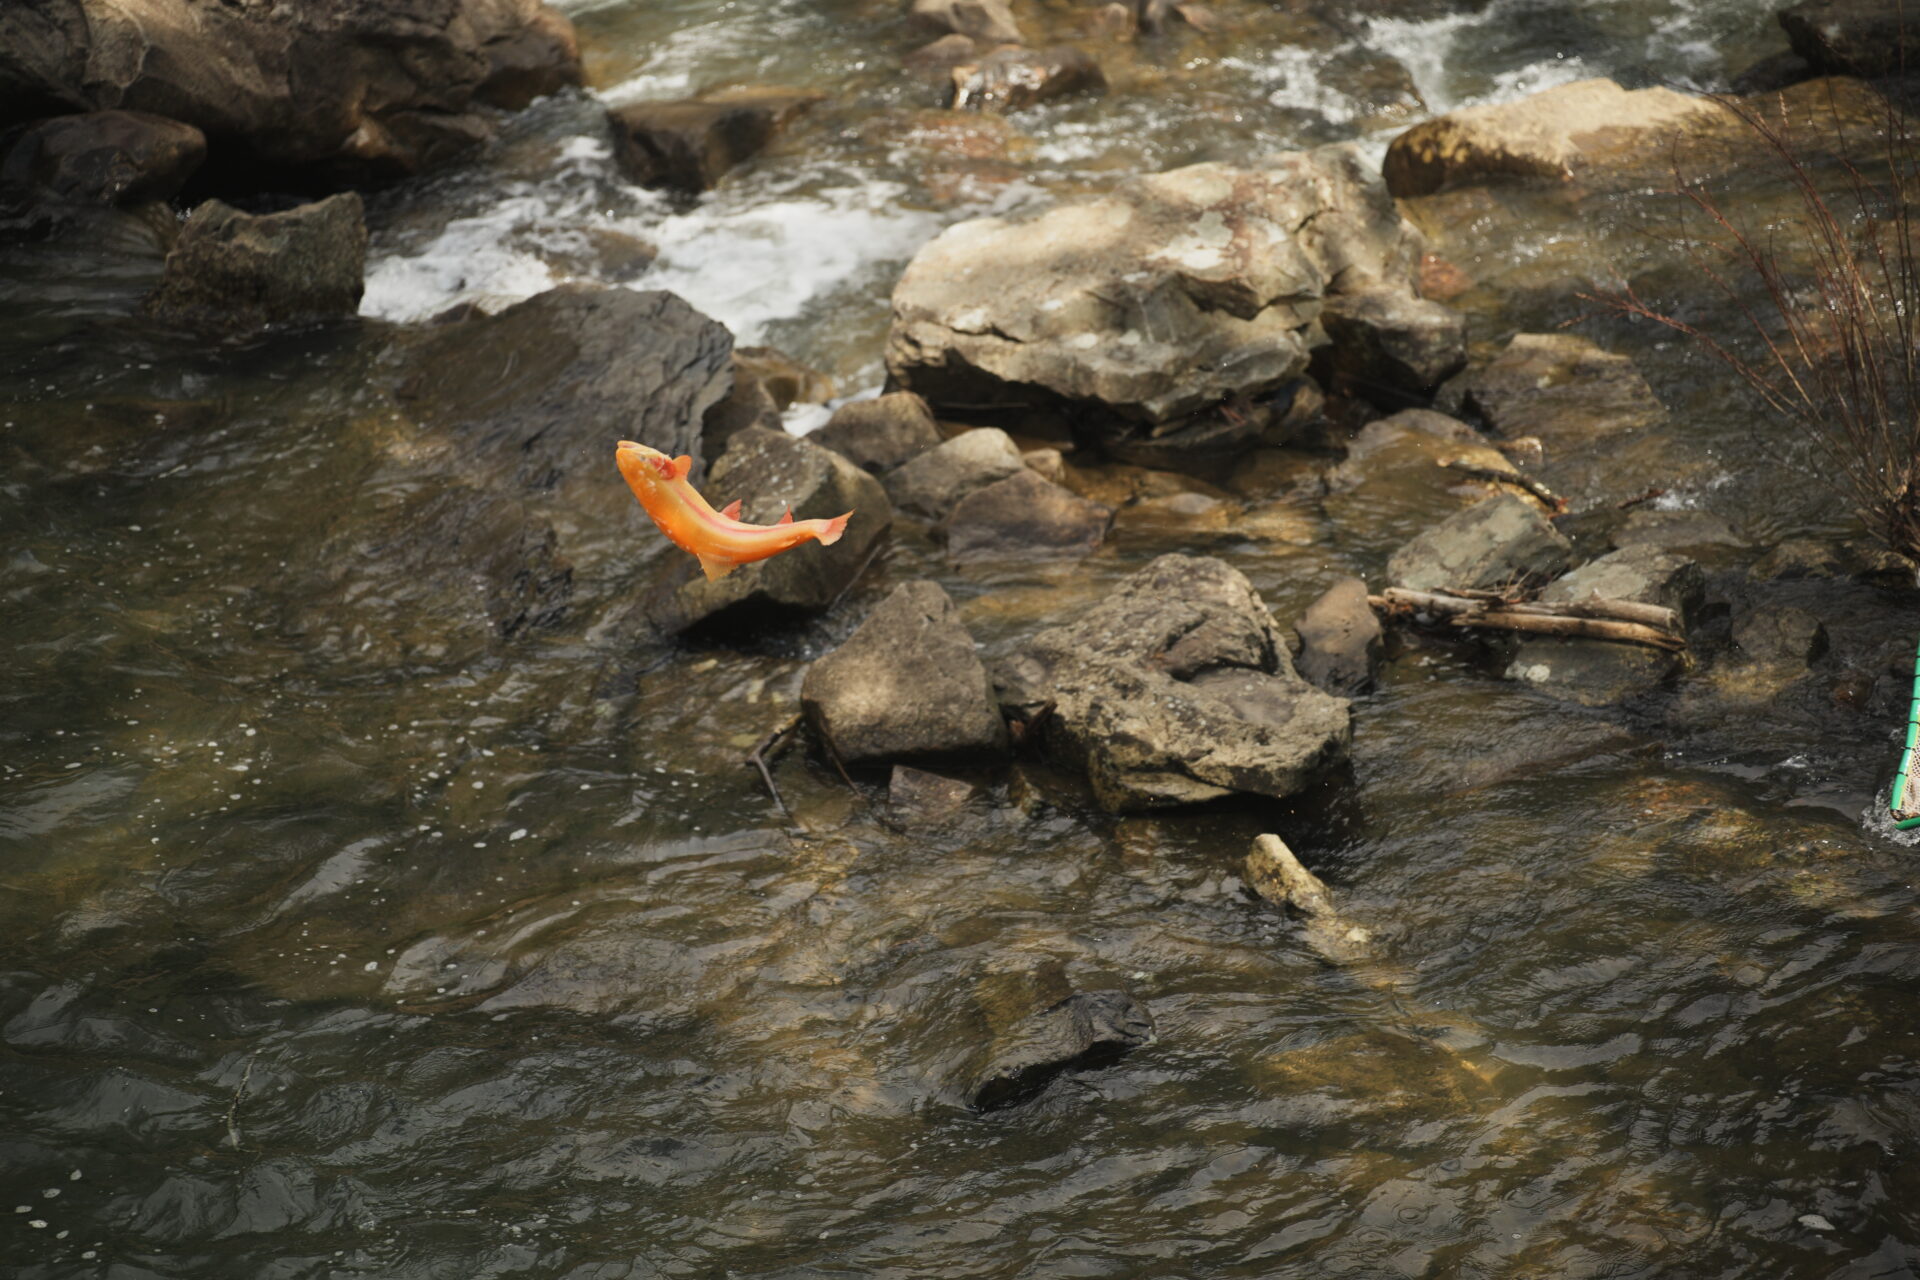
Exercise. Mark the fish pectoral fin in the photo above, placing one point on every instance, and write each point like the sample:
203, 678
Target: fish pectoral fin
716, 568
787, 518
682, 465
732, 510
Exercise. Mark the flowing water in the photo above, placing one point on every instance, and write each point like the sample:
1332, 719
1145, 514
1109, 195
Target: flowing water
329, 953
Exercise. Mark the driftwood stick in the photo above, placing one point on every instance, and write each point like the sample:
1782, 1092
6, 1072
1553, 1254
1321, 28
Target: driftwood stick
1515, 478
1624, 621
758, 759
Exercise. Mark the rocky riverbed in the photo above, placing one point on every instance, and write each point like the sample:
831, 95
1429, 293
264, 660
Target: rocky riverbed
414, 865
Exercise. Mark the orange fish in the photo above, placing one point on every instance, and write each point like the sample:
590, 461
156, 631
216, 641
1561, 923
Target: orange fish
721, 540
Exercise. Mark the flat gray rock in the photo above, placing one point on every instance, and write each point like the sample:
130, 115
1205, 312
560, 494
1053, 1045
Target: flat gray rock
1341, 641
1502, 540
1024, 516
932, 483
235, 273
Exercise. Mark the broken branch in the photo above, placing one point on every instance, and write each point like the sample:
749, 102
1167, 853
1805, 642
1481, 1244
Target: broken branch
1595, 618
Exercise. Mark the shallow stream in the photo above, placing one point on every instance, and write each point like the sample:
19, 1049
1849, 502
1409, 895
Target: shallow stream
327, 954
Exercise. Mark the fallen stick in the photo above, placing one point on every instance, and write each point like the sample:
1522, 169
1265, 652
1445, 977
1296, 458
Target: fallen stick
1623, 621
1532, 486
758, 759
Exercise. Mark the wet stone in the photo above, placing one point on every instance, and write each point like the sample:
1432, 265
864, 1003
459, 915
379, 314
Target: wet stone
234, 273
1011, 78
1024, 516
1599, 672
1391, 347
1562, 389
1393, 464
747, 404
1866, 38
931, 484
1176, 688
1341, 640
1779, 633
907, 685
922, 797
689, 145
1086, 1031
1675, 531
988, 21
880, 434
1499, 542
771, 472
102, 157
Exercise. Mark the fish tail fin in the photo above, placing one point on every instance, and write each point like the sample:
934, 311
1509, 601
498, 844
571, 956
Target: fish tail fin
835, 527
716, 568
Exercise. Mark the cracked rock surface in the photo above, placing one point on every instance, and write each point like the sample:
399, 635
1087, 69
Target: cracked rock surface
1163, 298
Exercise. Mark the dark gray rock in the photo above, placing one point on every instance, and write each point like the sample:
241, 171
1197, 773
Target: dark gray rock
102, 157
343, 90
1391, 347
539, 395
747, 403
906, 686
1802, 558
433, 579
932, 483
1675, 531
1779, 633
1563, 389
1599, 673
689, 145
1010, 78
1024, 516
235, 273
1866, 38
1341, 640
1499, 541
880, 434
1085, 1031
770, 472
1176, 688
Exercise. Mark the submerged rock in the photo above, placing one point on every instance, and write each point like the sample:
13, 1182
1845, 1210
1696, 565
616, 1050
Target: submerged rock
1164, 298
1552, 135
988, 21
102, 157
1600, 672
234, 273
1499, 542
880, 434
932, 483
770, 472
922, 797
1176, 688
348, 91
434, 579
907, 685
1010, 78
1024, 516
1341, 641
689, 145
1393, 465
1562, 389
1085, 1031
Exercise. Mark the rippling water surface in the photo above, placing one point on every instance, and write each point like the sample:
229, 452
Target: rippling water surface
320, 961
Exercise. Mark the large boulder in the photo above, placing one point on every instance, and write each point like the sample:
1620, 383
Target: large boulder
880, 434
769, 473
906, 686
540, 394
343, 90
1562, 389
1553, 135
1174, 293
1176, 688
932, 483
102, 157
1599, 672
689, 145
233, 273
1503, 541
1025, 516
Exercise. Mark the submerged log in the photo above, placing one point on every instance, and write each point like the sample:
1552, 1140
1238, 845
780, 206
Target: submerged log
1623, 621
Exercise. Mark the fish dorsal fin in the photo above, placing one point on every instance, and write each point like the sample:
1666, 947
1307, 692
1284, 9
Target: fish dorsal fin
682, 465
787, 518
732, 510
